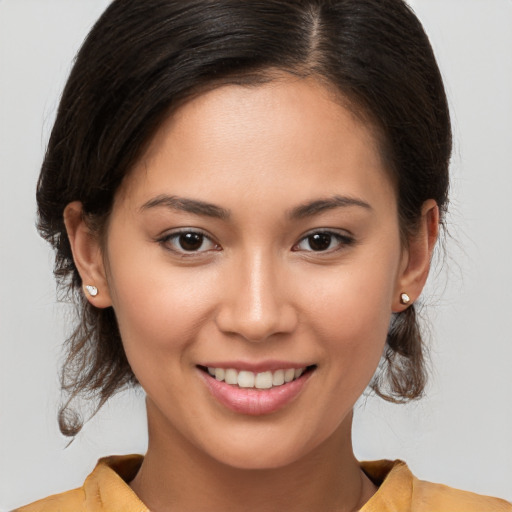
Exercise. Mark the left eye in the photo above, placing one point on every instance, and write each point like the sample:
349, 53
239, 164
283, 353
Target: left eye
189, 242
322, 242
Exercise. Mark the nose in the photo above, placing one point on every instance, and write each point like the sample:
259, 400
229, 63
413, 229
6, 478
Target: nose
255, 302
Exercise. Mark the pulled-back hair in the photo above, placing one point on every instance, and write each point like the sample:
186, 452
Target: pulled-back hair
145, 58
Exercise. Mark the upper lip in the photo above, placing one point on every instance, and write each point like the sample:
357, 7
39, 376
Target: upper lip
256, 367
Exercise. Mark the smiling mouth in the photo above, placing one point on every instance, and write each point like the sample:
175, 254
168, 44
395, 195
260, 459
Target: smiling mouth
262, 380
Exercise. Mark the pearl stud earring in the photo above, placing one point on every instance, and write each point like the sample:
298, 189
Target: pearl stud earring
93, 291
405, 299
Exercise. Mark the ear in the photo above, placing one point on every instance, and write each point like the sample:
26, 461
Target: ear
87, 255
417, 256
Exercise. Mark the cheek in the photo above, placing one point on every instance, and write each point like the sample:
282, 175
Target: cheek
351, 314
355, 344
159, 308
356, 300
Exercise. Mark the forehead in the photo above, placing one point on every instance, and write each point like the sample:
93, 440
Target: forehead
292, 135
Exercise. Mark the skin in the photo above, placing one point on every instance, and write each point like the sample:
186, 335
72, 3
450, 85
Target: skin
255, 291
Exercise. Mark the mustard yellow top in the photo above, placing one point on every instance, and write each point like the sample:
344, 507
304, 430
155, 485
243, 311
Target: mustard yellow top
106, 490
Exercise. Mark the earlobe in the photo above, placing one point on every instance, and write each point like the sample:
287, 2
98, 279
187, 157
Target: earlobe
87, 255
417, 257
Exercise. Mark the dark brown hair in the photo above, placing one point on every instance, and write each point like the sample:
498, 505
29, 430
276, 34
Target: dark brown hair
144, 58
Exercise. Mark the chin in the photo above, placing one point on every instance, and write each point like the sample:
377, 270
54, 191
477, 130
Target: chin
262, 449
251, 459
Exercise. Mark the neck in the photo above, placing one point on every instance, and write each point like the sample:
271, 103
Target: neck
176, 475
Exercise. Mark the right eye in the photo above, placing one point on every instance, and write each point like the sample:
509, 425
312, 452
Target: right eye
188, 241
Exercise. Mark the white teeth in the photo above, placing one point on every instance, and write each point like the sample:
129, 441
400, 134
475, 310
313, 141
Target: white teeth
278, 378
246, 379
262, 380
289, 375
231, 376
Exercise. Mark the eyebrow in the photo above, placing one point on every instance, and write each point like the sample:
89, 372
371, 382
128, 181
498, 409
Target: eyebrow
197, 207
186, 205
320, 205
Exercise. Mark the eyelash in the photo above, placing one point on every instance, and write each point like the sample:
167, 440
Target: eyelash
342, 240
168, 239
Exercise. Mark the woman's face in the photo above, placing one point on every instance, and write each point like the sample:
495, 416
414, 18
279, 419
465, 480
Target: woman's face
257, 235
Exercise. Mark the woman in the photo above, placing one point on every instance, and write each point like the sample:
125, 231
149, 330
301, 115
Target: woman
244, 198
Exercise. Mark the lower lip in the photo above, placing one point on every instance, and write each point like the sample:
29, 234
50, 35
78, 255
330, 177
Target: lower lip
255, 402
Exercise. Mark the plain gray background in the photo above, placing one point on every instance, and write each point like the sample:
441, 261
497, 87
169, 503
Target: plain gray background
460, 434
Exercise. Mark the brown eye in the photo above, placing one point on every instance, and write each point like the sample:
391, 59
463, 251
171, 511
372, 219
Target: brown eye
320, 241
191, 241
185, 241
324, 241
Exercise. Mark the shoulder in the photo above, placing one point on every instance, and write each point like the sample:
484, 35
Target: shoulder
429, 496
106, 489
67, 501
399, 490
